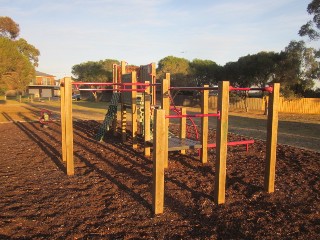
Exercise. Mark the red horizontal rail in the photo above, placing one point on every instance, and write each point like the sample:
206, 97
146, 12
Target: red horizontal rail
110, 89
243, 142
193, 88
267, 89
194, 115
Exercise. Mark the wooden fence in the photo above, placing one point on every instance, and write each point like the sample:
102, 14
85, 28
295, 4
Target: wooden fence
300, 105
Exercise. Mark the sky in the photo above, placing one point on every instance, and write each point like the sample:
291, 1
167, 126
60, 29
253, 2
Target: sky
70, 32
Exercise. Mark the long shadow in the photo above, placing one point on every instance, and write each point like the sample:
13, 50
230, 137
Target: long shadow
49, 150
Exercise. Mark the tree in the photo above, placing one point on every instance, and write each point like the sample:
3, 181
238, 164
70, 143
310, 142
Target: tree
18, 57
94, 71
297, 69
179, 69
29, 51
204, 71
8, 28
311, 28
16, 71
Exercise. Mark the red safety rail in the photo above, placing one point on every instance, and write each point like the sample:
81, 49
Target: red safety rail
266, 89
243, 142
194, 115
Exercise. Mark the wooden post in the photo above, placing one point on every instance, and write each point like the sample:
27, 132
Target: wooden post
19, 98
63, 120
183, 127
158, 161
114, 76
134, 111
147, 116
204, 125
272, 133
123, 67
165, 105
153, 81
221, 150
123, 122
69, 126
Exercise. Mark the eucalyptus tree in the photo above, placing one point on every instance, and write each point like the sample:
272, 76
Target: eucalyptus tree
312, 27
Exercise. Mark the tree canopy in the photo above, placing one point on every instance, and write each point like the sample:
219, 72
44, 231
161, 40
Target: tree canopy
312, 28
16, 70
18, 57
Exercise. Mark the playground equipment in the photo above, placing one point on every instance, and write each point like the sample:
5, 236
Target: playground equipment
162, 144
129, 89
45, 117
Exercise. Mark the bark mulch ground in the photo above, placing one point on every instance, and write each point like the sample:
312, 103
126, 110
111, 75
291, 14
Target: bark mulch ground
110, 195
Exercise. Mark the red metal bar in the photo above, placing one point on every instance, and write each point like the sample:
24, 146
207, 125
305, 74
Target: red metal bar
110, 89
193, 88
244, 142
194, 115
267, 89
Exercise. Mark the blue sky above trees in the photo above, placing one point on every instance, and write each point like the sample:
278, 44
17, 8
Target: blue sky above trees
144, 31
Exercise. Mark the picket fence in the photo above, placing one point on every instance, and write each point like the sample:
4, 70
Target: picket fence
300, 105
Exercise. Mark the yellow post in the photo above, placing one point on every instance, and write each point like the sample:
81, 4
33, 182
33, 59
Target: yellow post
221, 150
272, 133
147, 116
69, 125
123, 67
204, 125
114, 76
134, 111
153, 81
63, 120
165, 105
158, 161
183, 127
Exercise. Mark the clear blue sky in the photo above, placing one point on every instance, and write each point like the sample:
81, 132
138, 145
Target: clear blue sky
69, 32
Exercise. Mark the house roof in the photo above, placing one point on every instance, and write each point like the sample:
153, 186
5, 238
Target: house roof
42, 74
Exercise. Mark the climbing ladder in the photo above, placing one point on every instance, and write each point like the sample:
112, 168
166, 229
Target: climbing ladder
110, 115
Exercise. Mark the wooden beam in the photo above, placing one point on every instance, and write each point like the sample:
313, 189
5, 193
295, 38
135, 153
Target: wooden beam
183, 127
221, 151
123, 122
165, 105
69, 125
204, 125
63, 120
134, 111
158, 161
272, 134
147, 116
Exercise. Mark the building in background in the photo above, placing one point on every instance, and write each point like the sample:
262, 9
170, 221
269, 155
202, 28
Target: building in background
44, 86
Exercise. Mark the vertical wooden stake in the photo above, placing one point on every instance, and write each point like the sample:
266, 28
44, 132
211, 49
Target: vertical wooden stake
123, 122
147, 116
165, 105
204, 125
183, 127
134, 111
221, 149
123, 67
158, 161
272, 133
69, 125
63, 120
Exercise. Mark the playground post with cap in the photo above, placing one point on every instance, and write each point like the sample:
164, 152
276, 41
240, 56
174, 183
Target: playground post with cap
204, 125
271, 145
147, 116
165, 104
68, 125
159, 150
221, 150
